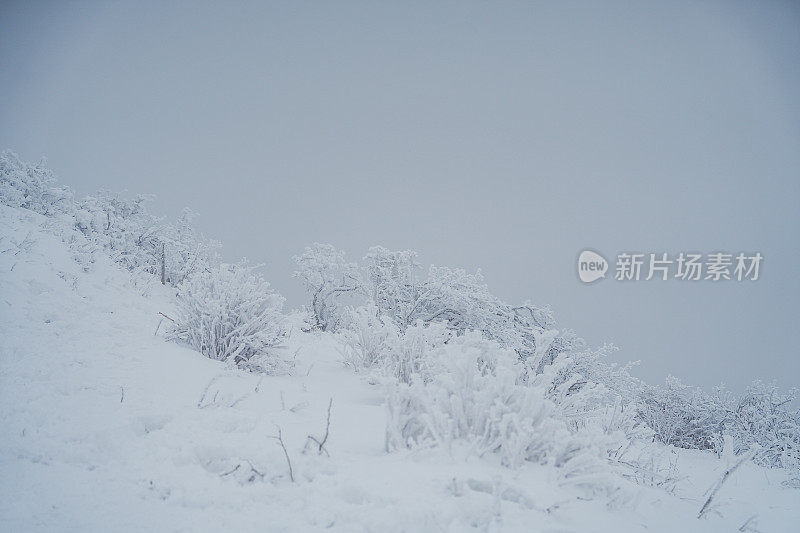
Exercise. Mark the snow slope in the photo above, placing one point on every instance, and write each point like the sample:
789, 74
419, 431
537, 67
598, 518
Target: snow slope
105, 426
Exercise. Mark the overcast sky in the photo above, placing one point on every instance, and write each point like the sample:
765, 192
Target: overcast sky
505, 136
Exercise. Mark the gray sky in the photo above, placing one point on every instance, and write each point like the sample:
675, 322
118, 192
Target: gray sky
506, 136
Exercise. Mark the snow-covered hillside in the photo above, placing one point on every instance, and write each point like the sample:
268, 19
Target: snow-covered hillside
106, 426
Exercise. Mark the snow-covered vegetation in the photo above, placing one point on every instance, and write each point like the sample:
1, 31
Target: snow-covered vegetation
119, 226
395, 330
762, 418
494, 414
230, 312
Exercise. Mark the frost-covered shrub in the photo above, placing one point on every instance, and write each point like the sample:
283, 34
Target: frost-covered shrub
410, 355
581, 402
766, 418
139, 241
185, 249
32, 187
107, 222
474, 394
367, 338
391, 282
123, 228
687, 417
230, 313
375, 342
653, 466
582, 374
329, 280
683, 416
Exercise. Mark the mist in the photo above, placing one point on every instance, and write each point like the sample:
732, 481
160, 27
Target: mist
506, 137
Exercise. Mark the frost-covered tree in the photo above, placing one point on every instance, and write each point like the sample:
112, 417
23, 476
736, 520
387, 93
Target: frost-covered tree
392, 283
185, 249
453, 296
329, 279
230, 313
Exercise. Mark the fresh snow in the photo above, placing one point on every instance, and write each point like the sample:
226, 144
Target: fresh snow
106, 426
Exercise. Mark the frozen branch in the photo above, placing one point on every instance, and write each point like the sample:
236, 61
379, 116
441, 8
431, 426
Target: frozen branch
721, 481
321, 442
279, 438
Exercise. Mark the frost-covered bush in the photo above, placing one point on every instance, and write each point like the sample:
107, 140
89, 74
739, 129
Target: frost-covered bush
32, 187
584, 375
367, 338
410, 357
474, 394
140, 241
391, 282
107, 222
766, 418
329, 279
583, 403
230, 313
683, 416
687, 417
185, 249
123, 228
375, 342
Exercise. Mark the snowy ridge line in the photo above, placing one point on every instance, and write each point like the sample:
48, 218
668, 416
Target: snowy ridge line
109, 424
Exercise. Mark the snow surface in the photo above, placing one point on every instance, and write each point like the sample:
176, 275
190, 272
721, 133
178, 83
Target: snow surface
108, 427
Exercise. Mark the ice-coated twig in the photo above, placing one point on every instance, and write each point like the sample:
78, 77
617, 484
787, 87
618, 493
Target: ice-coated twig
749, 524
205, 391
321, 442
279, 438
230, 471
163, 316
721, 481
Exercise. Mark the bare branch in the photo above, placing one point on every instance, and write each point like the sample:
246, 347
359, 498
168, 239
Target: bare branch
230, 471
749, 524
279, 438
205, 391
722, 480
321, 442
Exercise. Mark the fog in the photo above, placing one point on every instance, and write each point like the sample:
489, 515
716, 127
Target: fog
501, 136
